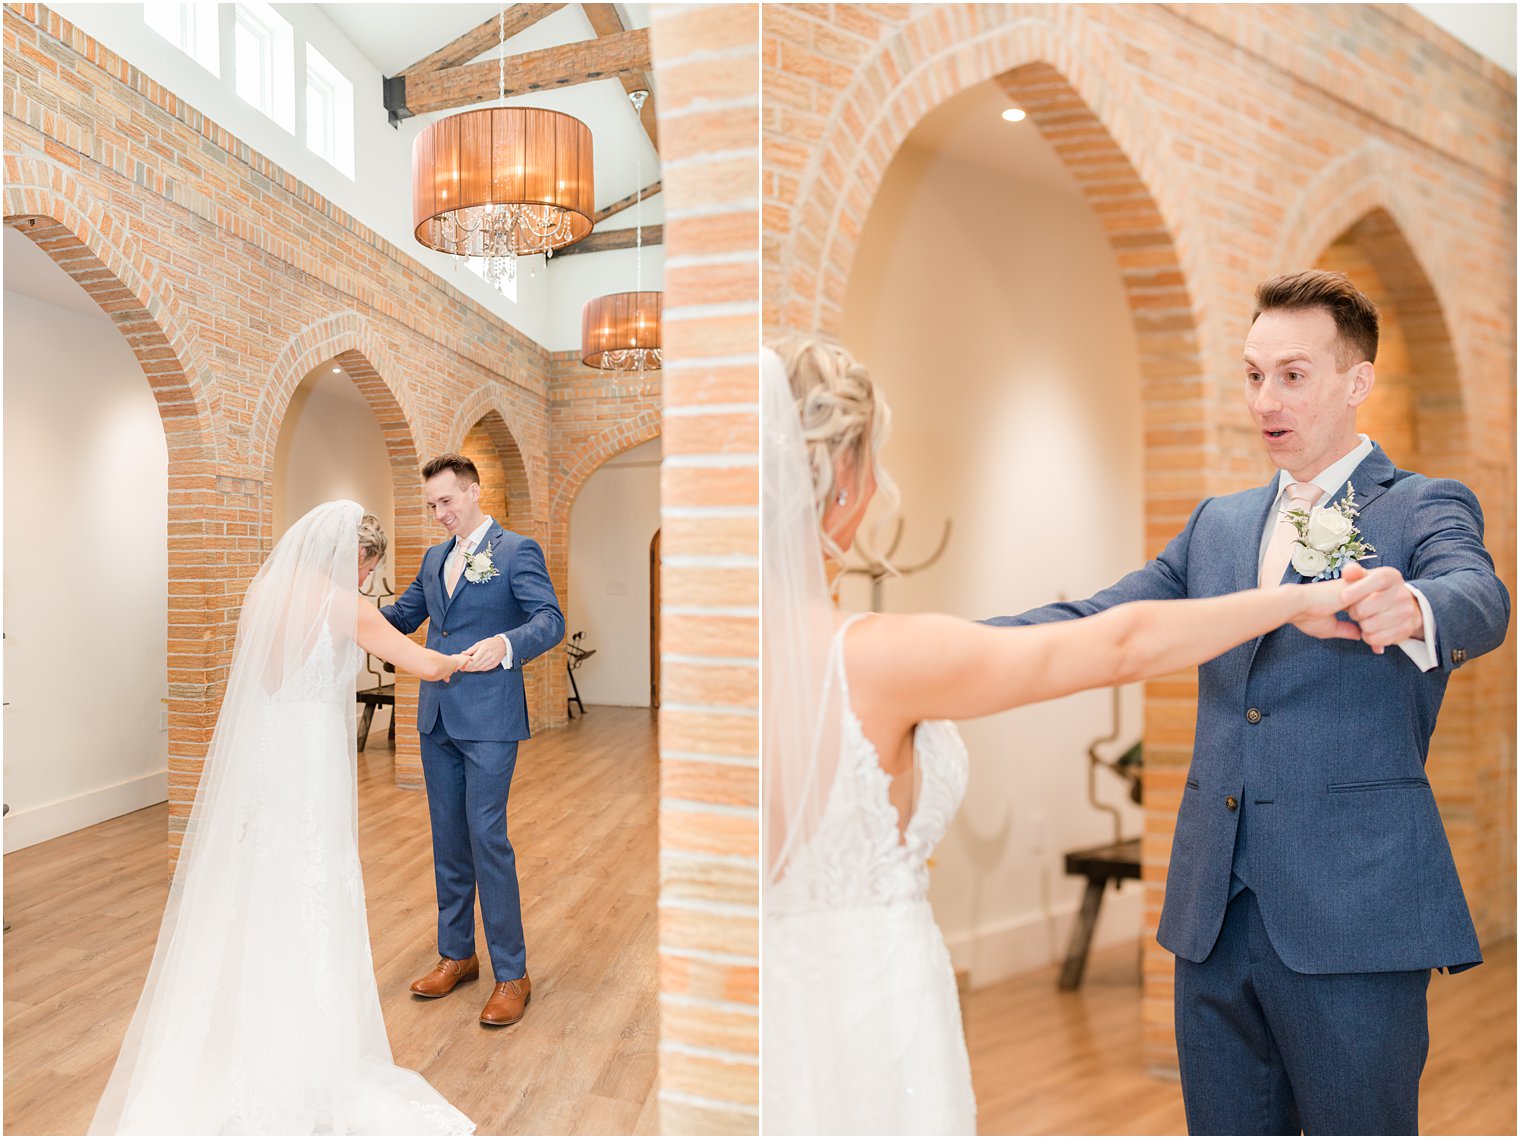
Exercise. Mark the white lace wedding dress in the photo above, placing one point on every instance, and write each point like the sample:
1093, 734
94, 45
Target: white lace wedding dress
861, 1024
260, 1014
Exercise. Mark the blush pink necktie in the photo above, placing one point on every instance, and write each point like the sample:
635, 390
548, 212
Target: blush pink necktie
1301, 496
456, 566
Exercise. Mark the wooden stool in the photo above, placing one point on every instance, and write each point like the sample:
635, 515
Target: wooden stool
1100, 865
383, 695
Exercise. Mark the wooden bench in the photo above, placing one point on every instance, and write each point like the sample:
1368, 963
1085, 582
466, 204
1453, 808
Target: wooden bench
1100, 865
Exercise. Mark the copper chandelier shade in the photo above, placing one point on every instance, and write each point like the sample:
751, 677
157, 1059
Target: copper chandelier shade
502, 182
621, 331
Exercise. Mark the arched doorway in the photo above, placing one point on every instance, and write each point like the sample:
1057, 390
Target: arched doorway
364, 398
988, 297
171, 712
1064, 71
610, 593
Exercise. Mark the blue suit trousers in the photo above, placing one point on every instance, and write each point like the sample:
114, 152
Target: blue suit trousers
1267, 1051
470, 779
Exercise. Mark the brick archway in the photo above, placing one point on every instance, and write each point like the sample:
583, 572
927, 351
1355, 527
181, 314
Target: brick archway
567, 485
1081, 91
63, 219
1349, 190
200, 631
488, 407
596, 451
346, 339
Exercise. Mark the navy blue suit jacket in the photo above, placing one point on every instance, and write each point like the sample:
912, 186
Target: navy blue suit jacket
1323, 744
519, 601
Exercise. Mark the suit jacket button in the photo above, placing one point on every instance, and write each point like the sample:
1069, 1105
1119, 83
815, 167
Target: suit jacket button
1458, 656
1231, 803
1253, 716
445, 632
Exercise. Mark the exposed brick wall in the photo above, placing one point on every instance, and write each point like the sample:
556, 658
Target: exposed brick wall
1217, 144
231, 280
707, 60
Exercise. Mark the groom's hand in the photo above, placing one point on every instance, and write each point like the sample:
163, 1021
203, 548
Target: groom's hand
485, 655
1380, 602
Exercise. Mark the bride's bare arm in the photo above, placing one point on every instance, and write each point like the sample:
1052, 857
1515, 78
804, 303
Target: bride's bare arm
379, 636
908, 668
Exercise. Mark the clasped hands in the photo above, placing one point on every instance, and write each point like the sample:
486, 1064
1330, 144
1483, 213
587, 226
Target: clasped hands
482, 656
1384, 608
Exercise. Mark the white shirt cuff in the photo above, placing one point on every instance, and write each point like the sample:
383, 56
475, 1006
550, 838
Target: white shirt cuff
506, 661
1422, 650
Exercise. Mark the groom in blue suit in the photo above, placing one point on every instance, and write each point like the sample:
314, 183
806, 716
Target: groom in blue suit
1311, 888
485, 593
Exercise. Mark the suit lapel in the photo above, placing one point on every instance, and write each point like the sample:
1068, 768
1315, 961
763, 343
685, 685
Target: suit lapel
488, 542
1254, 515
1373, 475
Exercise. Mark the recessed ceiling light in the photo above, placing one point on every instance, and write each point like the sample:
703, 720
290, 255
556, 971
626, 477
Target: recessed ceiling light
337, 371
1013, 115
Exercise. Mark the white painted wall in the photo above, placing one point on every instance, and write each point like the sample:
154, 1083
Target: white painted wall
86, 539
612, 523
987, 303
331, 446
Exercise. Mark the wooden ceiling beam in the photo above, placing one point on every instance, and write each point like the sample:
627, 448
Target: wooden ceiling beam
604, 240
622, 204
609, 57
519, 17
606, 22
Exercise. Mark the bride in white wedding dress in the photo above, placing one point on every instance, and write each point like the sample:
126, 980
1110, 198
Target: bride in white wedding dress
260, 1014
862, 772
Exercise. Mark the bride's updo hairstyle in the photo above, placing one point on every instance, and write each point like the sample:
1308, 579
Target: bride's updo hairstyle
372, 539
843, 414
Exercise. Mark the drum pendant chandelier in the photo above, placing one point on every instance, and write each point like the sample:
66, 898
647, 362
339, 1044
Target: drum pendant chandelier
622, 332
502, 183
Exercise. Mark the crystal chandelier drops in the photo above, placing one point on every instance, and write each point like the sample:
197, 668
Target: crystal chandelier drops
502, 183
622, 332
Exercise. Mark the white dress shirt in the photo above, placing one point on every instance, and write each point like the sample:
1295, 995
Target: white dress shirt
1420, 650
470, 544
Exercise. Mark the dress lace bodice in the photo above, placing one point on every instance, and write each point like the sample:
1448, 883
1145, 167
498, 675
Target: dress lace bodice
857, 856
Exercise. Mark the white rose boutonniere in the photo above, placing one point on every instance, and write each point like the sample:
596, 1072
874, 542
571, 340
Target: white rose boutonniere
1328, 538
479, 567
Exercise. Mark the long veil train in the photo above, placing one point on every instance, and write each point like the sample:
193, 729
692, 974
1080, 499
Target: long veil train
260, 1013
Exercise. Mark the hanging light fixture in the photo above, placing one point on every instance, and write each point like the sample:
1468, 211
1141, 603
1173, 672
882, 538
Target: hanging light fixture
621, 332
502, 183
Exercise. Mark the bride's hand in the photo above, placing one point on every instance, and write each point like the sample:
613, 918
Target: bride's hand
455, 663
1318, 603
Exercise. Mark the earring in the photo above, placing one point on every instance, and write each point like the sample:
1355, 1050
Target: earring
842, 497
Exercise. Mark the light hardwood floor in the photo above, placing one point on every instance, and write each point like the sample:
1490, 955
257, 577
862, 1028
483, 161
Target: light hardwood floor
85, 910
1051, 1063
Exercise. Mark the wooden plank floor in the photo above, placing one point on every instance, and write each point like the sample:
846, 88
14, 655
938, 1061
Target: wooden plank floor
1050, 1063
85, 910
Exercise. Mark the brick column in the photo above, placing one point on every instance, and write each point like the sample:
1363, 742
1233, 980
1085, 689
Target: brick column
707, 60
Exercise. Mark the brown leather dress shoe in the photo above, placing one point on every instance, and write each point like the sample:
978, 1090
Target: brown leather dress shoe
445, 975
509, 1000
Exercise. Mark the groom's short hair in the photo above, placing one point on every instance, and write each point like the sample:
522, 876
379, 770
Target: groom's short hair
1355, 316
464, 470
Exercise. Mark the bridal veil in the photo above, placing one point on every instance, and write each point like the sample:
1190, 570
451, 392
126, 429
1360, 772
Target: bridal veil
260, 1013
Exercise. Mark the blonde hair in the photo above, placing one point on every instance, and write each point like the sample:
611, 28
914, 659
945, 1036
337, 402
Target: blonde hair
372, 539
843, 414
